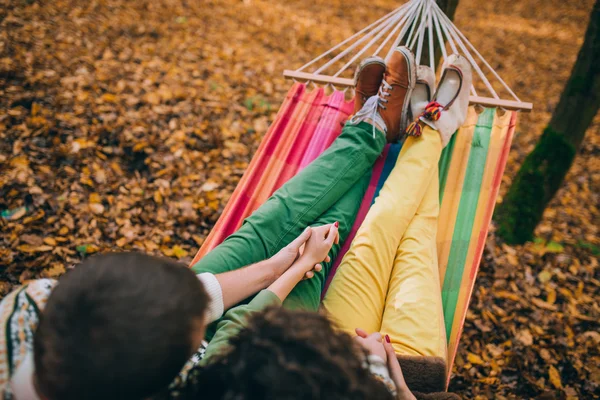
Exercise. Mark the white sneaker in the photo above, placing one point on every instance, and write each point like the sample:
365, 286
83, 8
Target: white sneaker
423, 91
453, 96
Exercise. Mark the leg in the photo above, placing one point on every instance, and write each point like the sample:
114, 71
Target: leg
356, 297
307, 294
299, 202
412, 315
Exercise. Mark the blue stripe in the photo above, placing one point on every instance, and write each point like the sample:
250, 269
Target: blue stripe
389, 164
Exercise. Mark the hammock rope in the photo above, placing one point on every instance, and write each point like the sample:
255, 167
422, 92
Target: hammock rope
422, 26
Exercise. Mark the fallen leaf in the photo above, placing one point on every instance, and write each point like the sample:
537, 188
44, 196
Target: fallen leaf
96, 208
50, 241
544, 276
474, 359
54, 271
554, 377
525, 337
179, 252
15, 214
33, 240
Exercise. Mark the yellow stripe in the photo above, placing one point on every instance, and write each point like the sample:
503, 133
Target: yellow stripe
497, 141
453, 190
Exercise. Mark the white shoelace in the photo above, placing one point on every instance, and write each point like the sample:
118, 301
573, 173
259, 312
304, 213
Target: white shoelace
369, 109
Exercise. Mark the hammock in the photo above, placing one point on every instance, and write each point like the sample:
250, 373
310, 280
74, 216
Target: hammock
471, 166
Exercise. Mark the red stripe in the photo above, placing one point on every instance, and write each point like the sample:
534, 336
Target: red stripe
360, 217
256, 168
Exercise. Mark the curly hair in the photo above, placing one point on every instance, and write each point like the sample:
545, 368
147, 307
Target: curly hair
289, 355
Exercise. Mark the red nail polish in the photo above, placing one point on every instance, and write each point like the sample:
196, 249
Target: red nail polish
336, 224
387, 339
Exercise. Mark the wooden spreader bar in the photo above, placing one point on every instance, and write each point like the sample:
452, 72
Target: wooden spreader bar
349, 83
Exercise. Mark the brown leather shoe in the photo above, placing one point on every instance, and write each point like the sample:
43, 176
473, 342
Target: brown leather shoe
395, 91
367, 80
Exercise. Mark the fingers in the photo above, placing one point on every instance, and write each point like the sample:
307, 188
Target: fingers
322, 230
389, 349
301, 249
361, 332
327, 259
393, 364
377, 336
304, 236
311, 274
332, 235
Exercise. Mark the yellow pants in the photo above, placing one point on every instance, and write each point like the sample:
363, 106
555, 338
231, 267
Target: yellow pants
388, 281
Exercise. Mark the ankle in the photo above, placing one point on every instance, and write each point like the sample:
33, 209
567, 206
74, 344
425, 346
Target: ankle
376, 124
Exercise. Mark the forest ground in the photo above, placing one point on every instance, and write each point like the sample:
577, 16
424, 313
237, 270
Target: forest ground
127, 125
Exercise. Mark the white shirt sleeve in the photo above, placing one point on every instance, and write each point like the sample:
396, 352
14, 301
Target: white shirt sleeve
379, 369
215, 294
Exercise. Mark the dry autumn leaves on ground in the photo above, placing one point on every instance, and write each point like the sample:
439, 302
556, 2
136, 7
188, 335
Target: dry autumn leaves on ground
126, 125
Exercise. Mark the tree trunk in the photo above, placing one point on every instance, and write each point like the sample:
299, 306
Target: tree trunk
545, 167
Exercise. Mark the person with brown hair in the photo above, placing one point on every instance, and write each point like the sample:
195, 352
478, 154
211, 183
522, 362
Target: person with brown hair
118, 326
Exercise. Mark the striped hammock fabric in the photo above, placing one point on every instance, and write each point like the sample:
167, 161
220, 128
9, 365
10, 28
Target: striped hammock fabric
471, 169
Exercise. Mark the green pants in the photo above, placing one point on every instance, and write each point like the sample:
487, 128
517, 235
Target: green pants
330, 189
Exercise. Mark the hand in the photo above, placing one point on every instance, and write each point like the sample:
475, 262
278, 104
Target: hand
290, 253
372, 343
396, 372
318, 245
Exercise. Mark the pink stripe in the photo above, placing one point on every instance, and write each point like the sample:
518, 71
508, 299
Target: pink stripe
306, 133
256, 168
335, 115
264, 185
360, 217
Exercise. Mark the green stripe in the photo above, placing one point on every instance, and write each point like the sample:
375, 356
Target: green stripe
8, 332
466, 215
33, 304
444, 165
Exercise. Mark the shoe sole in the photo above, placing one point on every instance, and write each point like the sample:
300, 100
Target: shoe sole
412, 76
365, 63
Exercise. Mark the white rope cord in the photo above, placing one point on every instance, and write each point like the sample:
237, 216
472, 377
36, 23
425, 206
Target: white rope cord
419, 22
450, 40
387, 38
416, 27
424, 18
351, 38
413, 22
440, 38
430, 37
416, 24
349, 49
470, 58
445, 30
492, 70
401, 24
418, 38
405, 28
367, 46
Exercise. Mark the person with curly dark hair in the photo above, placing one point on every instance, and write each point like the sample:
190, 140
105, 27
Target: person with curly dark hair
287, 355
